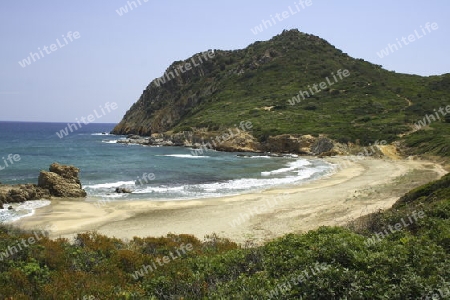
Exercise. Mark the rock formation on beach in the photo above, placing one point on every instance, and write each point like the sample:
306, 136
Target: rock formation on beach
59, 181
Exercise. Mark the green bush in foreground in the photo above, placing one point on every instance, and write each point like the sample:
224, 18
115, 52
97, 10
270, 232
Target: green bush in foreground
327, 263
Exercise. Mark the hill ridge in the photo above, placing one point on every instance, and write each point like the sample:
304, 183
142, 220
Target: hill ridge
257, 83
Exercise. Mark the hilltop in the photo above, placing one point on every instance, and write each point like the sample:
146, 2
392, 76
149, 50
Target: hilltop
276, 85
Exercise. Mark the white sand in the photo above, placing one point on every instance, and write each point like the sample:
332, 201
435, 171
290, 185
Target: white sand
359, 188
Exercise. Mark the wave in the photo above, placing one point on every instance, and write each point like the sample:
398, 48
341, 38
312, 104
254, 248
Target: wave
110, 141
109, 185
252, 156
218, 189
21, 210
101, 133
295, 166
293, 172
231, 187
184, 155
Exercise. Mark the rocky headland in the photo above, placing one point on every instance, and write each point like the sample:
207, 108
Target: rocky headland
267, 84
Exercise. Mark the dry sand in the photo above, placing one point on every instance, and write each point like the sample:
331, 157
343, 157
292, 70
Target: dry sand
357, 188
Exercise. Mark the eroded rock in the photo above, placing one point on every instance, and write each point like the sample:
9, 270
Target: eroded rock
62, 181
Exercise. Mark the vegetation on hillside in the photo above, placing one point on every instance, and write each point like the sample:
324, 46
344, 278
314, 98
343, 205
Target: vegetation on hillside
256, 84
329, 263
401, 253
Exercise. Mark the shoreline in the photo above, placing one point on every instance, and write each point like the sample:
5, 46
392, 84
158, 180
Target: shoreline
362, 187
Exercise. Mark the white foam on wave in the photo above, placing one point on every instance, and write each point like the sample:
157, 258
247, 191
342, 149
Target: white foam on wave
184, 155
21, 210
295, 166
101, 133
217, 189
109, 185
110, 141
112, 196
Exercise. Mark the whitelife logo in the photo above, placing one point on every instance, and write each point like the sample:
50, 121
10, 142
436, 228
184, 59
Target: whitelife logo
33, 57
323, 86
11, 158
131, 5
91, 118
428, 119
397, 227
266, 24
183, 68
163, 260
391, 48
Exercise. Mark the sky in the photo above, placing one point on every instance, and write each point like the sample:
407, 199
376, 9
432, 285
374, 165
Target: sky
112, 55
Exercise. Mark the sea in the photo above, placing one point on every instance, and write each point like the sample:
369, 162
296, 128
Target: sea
151, 173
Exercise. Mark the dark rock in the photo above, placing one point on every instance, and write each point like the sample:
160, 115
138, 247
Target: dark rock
10, 207
123, 190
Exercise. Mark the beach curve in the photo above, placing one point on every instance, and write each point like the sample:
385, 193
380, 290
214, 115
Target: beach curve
360, 186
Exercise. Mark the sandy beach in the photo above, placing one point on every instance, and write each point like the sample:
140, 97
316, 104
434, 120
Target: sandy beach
357, 188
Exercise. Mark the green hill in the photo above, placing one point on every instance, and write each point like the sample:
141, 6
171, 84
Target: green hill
259, 83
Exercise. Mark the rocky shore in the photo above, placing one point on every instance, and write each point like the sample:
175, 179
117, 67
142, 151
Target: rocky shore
60, 181
320, 146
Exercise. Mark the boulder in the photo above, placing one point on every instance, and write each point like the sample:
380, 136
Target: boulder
61, 181
123, 190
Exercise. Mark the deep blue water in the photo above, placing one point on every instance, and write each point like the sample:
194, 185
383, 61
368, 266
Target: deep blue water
106, 165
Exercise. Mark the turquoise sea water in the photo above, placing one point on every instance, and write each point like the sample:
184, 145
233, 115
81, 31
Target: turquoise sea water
171, 172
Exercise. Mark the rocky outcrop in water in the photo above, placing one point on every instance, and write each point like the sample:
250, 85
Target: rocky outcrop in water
59, 181
62, 181
21, 193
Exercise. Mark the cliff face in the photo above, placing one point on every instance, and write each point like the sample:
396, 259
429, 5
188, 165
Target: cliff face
167, 99
289, 86
188, 85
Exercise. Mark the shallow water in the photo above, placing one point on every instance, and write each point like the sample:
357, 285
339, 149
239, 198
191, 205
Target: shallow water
155, 173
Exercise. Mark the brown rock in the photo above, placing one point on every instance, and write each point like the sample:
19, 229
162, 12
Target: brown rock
238, 142
21, 192
287, 143
62, 181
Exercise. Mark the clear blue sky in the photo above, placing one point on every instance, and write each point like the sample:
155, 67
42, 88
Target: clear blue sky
116, 57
